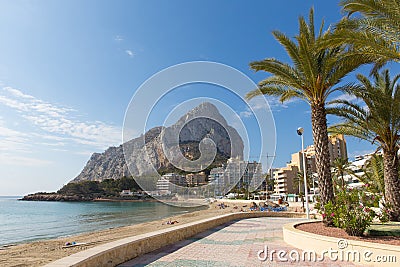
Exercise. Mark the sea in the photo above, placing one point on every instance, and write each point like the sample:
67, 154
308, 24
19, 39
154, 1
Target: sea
27, 221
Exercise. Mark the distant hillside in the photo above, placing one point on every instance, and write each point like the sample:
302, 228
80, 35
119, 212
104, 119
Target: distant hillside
91, 190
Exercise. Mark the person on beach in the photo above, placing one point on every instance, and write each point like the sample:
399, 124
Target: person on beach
221, 206
171, 222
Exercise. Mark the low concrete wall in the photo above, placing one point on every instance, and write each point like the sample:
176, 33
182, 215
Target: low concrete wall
357, 252
120, 251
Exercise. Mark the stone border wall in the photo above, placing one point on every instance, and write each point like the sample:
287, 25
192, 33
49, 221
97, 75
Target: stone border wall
120, 251
312, 242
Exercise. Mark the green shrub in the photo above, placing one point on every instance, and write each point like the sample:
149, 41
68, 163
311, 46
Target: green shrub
329, 214
351, 211
384, 215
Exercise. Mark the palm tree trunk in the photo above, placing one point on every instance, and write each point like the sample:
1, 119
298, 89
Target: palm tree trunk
392, 183
343, 183
322, 159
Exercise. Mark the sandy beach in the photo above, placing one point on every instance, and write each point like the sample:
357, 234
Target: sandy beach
42, 252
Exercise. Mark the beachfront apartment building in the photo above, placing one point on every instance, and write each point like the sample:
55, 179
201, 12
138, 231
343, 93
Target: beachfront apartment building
337, 147
309, 156
196, 179
215, 180
285, 178
165, 184
216, 174
253, 176
239, 173
357, 168
176, 179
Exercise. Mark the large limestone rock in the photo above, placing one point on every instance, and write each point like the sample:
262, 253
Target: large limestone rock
159, 146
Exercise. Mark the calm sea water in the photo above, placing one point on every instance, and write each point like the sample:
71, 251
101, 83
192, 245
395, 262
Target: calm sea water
25, 221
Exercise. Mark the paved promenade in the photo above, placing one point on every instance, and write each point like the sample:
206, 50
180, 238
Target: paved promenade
234, 244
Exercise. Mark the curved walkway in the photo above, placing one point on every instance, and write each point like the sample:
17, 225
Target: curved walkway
234, 244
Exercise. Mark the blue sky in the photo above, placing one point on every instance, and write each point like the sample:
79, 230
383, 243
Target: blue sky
68, 70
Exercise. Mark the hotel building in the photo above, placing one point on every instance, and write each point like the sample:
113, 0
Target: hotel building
284, 177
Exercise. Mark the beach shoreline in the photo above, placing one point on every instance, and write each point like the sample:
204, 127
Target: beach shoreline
41, 252
124, 200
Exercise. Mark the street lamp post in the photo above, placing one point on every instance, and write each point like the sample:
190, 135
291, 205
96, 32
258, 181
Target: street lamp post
298, 177
300, 131
313, 183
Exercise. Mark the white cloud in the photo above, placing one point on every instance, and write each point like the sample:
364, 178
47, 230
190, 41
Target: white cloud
12, 140
58, 122
352, 99
246, 114
273, 102
23, 102
347, 97
130, 53
56, 144
8, 159
50, 137
12, 144
260, 103
118, 38
60, 150
18, 93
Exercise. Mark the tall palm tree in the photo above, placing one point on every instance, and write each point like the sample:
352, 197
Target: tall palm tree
312, 77
375, 33
377, 122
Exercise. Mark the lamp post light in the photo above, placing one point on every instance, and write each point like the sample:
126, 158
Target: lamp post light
300, 131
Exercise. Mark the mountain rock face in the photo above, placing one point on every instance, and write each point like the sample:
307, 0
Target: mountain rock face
194, 140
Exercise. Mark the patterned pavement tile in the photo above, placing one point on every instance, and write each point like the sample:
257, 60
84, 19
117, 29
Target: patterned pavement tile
232, 244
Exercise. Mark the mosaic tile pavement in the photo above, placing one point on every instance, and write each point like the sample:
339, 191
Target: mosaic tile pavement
233, 244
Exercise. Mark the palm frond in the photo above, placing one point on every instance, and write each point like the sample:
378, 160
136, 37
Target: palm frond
350, 130
376, 30
290, 47
374, 174
377, 121
275, 67
272, 91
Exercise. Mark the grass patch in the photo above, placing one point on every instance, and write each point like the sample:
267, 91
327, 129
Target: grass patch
387, 229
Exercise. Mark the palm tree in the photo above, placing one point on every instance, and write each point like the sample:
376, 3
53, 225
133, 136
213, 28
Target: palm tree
374, 174
340, 168
269, 183
311, 77
298, 181
377, 122
375, 33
